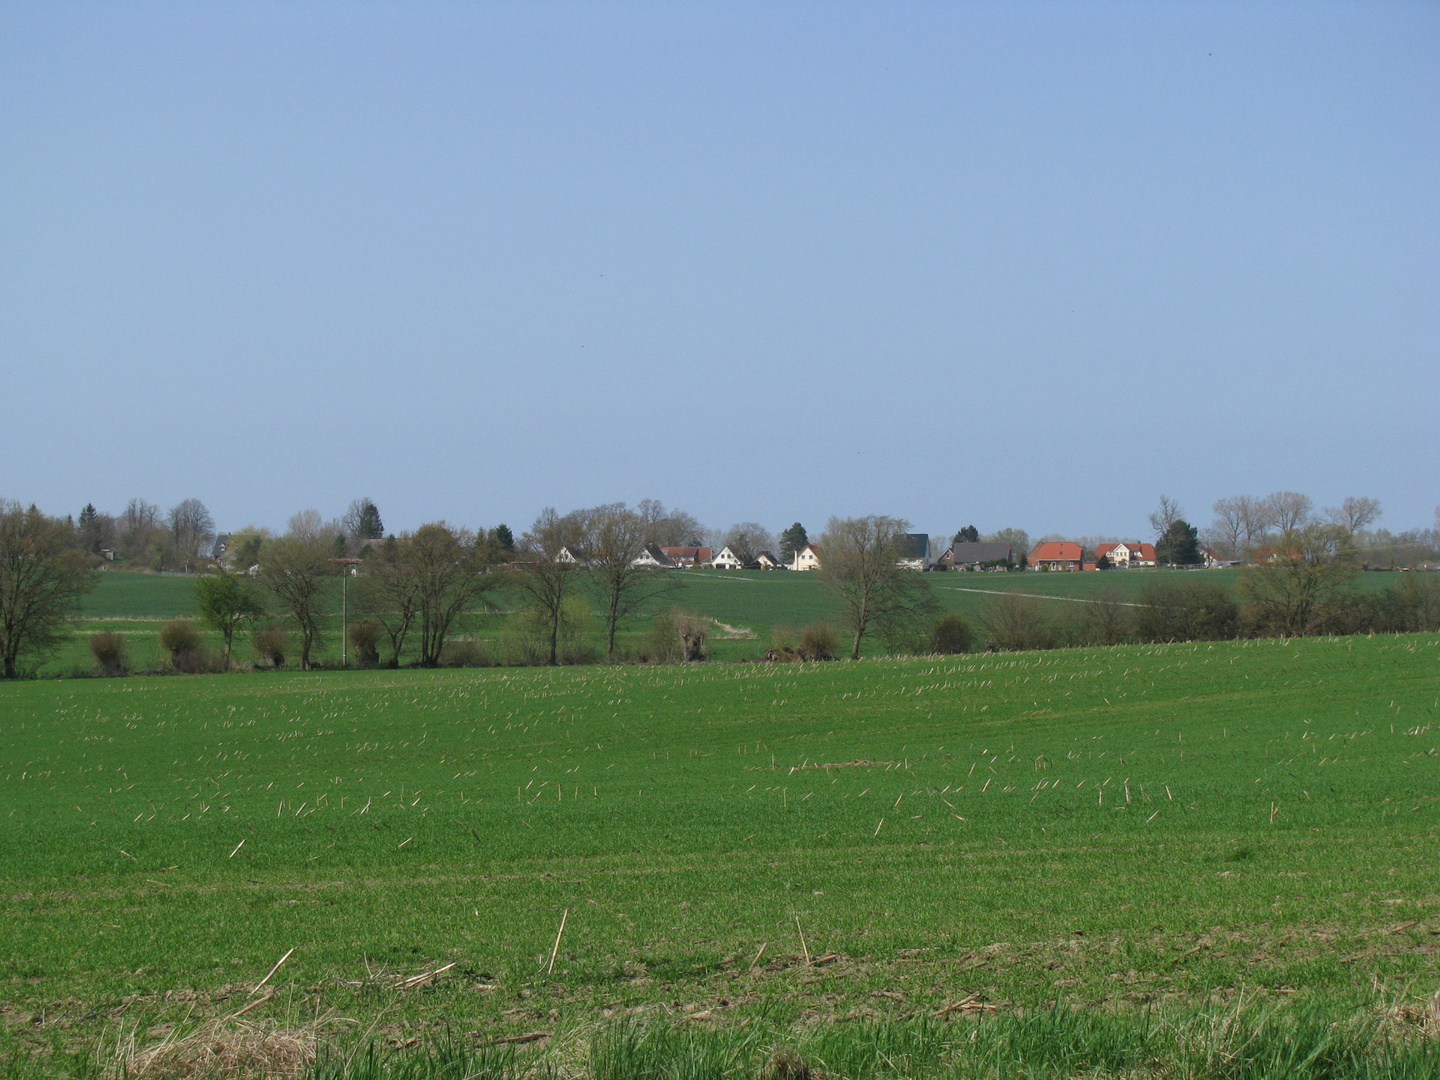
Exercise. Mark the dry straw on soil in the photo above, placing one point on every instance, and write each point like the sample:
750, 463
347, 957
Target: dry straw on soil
222, 1050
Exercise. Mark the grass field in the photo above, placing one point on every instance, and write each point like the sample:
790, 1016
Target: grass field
753, 604
1164, 828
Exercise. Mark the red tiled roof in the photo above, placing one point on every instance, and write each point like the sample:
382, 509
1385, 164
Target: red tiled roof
1056, 551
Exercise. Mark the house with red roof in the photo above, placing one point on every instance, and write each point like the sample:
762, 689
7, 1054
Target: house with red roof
687, 556
1057, 555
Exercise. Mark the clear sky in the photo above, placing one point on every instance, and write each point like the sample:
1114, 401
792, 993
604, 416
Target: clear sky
1009, 264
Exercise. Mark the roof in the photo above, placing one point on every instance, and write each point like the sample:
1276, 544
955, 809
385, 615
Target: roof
913, 546
1056, 551
973, 552
688, 554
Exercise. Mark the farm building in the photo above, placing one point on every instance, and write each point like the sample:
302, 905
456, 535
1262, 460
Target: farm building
1057, 555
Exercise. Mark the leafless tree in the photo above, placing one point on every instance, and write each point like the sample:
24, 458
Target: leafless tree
1354, 514
1296, 591
747, 540
192, 528
1166, 514
668, 528
1017, 539
1289, 510
42, 577
546, 581
616, 539
452, 579
390, 592
1230, 527
861, 568
294, 568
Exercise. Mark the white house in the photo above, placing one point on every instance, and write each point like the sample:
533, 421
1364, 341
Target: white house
727, 560
768, 561
652, 556
573, 556
807, 558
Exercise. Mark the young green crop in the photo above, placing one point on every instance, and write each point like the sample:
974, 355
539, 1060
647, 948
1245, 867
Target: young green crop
1116, 826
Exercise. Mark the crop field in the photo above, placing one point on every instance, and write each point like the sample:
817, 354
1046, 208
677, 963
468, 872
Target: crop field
738, 850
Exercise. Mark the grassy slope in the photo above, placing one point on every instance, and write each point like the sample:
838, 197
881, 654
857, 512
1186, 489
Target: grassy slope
686, 817
137, 604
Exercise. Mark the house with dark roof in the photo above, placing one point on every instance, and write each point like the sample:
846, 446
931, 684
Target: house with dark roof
913, 551
1057, 555
978, 556
652, 556
766, 561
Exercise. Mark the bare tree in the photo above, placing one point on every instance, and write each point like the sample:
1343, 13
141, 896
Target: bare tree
1297, 590
1229, 527
668, 528
1354, 514
293, 569
390, 592
42, 577
1289, 510
1018, 539
544, 578
361, 520
192, 528
452, 579
747, 540
861, 568
1166, 514
617, 539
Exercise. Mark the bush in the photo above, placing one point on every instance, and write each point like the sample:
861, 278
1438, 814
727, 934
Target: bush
464, 653
364, 637
818, 641
1186, 609
182, 641
269, 645
110, 652
1106, 621
1014, 622
951, 634
525, 639
677, 636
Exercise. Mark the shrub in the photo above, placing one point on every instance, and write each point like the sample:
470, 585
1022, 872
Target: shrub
951, 634
677, 636
1014, 622
1106, 621
182, 641
364, 637
464, 653
109, 650
1186, 609
525, 639
269, 644
818, 641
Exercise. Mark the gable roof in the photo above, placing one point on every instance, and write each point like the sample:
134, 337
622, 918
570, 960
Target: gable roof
968, 552
1056, 551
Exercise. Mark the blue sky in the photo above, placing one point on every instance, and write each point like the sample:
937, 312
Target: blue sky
1011, 264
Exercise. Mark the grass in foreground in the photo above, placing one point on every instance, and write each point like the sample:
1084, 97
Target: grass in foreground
784, 848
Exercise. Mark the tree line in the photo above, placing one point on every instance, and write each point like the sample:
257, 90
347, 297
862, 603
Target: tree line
413, 590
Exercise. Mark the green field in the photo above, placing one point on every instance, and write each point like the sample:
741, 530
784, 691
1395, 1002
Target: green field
1135, 828
750, 605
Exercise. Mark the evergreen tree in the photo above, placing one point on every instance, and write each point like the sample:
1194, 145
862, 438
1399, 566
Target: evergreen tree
503, 538
968, 535
1179, 545
793, 540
